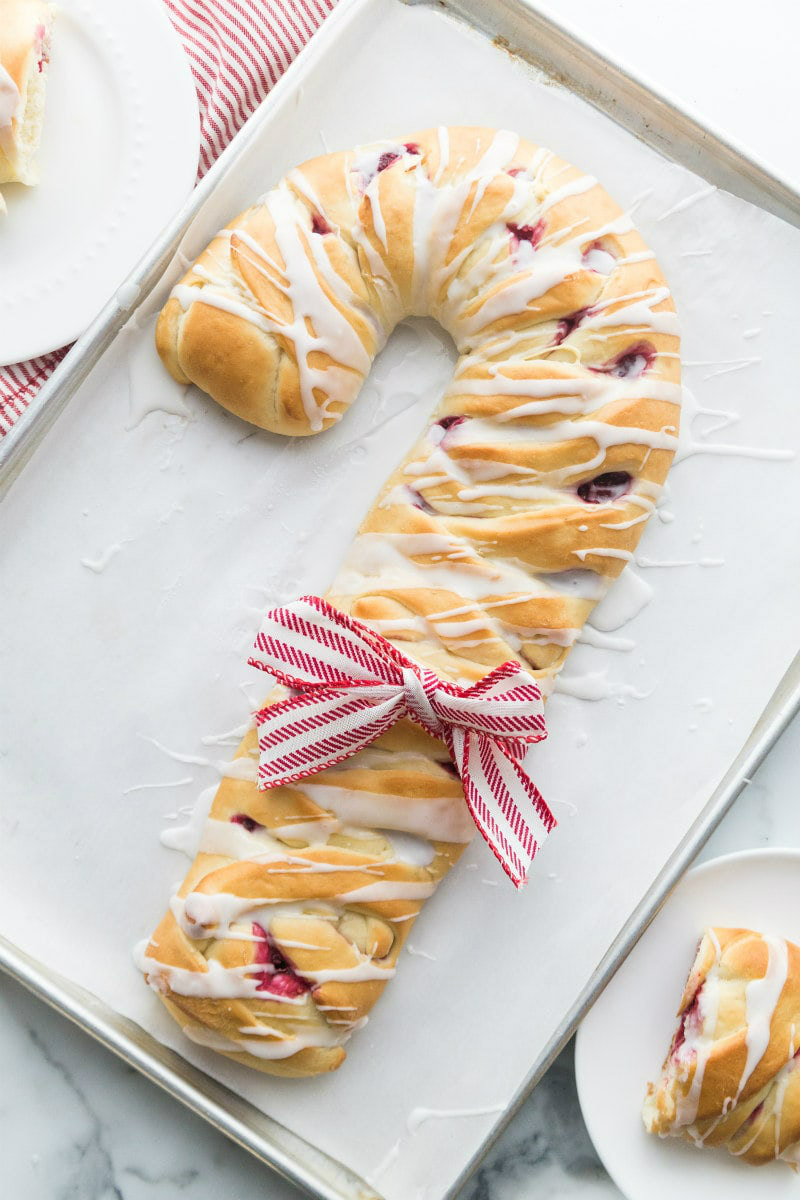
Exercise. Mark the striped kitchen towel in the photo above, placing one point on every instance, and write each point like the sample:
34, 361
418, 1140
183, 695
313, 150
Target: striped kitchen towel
237, 50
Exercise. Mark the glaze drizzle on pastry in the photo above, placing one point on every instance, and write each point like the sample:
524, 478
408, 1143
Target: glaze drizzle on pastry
522, 501
731, 1076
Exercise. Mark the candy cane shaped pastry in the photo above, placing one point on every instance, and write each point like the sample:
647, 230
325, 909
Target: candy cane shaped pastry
731, 1077
493, 540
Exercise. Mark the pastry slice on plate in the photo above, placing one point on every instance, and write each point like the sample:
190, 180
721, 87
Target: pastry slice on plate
24, 57
732, 1074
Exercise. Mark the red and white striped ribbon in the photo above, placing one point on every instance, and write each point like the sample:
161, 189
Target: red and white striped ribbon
237, 50
354, 685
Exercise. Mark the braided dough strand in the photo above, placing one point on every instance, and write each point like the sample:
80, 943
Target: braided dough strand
493, 540
732, 1074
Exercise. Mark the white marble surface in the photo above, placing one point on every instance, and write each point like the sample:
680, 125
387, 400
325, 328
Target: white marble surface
77, 1124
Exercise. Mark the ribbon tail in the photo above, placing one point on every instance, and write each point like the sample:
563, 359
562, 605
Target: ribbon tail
305, 734
505, 803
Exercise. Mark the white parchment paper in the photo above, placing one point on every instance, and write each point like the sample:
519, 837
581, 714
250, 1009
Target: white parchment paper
151, 529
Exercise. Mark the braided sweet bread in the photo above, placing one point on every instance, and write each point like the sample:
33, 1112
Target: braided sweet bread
731, 1076
494, 539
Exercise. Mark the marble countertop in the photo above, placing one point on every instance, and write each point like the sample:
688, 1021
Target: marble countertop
79, 1125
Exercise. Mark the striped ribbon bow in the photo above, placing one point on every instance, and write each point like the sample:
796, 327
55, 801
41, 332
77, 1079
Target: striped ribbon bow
354, 685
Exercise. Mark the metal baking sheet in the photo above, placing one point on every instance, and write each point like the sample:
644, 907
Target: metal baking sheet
674, 133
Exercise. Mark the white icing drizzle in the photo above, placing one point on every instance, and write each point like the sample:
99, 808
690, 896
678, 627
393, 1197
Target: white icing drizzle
629, 595
232, 840
9, 110
595, 685
230, 737
700, 1043
781, 1084
689, 445
755, 1125
145, 787
98, 565
388, 1160
221, 983
603, 552
388, 889
443, 136
186, 838
415, 953
682, 205
792, 1154
761, 999
604, 641
331, 335
283, 1046
366, 969
418, 1116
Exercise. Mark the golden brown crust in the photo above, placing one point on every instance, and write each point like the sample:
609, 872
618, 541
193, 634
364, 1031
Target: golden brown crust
320, 933
492, 541
732, 1075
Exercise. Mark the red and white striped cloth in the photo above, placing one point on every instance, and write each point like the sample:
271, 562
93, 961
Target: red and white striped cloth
354, 685
237, 50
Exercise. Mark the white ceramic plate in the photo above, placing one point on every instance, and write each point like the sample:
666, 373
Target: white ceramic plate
119, 155
622, 1042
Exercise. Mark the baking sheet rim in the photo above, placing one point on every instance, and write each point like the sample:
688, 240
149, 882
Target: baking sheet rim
107, 1026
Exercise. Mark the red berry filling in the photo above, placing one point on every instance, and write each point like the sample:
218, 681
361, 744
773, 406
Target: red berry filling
515, 171
569, 324
278, 977
387, 159
446, 424
630, 364
526, 233
247, 822
605, 488
420, 502
319, 224
41, 46
691, 1022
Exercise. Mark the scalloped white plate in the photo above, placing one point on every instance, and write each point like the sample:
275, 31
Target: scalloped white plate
118, 156
622, 1042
